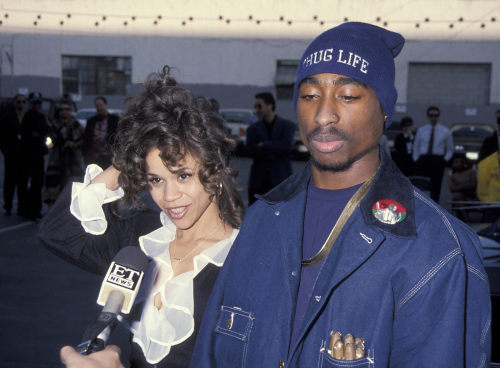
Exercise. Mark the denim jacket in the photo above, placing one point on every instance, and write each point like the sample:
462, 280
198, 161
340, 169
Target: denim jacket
416, 290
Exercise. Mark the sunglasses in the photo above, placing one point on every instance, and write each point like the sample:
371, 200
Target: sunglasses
21, 101
257, 106
433, 115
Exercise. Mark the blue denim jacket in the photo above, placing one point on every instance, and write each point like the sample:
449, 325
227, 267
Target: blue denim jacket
415, 291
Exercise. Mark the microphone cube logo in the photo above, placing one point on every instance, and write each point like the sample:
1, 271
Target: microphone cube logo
123, 276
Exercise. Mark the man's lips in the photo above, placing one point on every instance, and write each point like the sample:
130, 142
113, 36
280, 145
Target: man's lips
327, 143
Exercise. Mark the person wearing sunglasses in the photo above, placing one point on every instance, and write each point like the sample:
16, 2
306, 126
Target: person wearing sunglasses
432, 149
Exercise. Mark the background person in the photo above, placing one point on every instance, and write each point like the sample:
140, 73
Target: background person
170, 151
269, 142
99, 135
34, 131
403, 146
346, 260
65, 157
488, 184
10, 143
432, 149
490, 144
462, 184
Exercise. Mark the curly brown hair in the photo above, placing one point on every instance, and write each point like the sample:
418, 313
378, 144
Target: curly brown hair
177, 122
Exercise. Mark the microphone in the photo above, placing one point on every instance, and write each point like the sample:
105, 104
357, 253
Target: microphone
117, 294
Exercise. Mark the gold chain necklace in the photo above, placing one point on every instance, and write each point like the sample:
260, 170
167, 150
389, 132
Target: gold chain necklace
344, 216
177, 259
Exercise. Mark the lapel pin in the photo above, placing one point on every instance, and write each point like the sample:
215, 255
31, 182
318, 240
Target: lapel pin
388, 211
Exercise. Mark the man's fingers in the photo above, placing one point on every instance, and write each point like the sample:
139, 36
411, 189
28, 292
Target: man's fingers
67, 353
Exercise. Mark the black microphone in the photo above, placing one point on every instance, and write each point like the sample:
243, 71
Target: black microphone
117, 294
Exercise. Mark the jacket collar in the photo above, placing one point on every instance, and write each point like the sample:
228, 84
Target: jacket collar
389, 184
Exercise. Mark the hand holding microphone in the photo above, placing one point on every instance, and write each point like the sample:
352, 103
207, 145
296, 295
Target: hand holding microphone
107, 358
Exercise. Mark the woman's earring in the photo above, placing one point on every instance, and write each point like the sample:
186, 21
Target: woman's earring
385, 118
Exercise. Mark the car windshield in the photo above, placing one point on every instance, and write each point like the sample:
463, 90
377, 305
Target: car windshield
236, 116
472, 132
85, 114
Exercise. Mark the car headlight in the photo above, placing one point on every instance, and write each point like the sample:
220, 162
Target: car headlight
473, 156
459, 148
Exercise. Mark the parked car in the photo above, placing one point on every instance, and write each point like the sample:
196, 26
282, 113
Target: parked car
237, 121
391, 132
82, 115
468, 138
300, 151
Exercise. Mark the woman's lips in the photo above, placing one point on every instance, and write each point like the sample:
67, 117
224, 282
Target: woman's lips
177, 212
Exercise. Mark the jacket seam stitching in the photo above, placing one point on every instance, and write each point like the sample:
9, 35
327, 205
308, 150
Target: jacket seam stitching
477, 272
433, 271
442, 215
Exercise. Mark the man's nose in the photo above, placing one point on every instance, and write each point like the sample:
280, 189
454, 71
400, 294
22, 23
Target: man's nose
327, 113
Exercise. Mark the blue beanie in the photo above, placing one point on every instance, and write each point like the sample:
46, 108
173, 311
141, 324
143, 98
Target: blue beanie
358, 50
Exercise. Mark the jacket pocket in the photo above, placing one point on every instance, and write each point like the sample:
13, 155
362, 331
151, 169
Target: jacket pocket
326, 361
233, 328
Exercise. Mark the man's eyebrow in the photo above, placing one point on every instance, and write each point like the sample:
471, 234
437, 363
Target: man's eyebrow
347, 80
337, 81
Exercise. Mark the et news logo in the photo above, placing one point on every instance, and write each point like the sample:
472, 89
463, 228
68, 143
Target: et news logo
124, 276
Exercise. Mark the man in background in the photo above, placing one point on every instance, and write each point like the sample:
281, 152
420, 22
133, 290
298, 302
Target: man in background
34, 131
432, 149
10, 143
269, 142
99, 135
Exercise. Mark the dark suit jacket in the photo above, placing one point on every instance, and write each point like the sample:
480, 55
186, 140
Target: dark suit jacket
274, 156
88, 136
10, 132
34, 130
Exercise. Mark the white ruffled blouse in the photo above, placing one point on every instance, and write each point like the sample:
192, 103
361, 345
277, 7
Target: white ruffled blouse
157, 330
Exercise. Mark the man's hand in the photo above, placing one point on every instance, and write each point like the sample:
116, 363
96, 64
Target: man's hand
107, 358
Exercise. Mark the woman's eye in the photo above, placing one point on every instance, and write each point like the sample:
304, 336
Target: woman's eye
155, 180
184, 176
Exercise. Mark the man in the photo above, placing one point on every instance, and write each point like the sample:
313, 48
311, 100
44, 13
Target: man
490, 144
34, 131
488, 184
432, 149
11, 120
346, 260
269, 142
65, 158
99, 135
403, 145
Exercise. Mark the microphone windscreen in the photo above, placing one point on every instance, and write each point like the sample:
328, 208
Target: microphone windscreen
132, 257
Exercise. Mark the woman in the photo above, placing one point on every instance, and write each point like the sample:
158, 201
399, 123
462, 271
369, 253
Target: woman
173, 144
